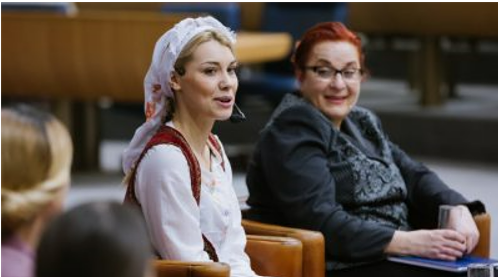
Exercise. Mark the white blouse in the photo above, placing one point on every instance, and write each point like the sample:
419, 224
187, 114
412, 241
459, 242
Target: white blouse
175, 222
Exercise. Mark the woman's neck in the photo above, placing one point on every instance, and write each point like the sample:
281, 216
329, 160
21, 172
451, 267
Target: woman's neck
195, 130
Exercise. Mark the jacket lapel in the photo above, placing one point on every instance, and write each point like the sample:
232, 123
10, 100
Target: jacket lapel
354, 135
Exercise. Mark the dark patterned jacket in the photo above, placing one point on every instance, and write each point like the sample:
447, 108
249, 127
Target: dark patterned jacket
353, 185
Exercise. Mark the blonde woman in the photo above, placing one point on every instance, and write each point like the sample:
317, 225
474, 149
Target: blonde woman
177, 171
36, 161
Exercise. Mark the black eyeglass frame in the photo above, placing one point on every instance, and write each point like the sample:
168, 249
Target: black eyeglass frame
335, 71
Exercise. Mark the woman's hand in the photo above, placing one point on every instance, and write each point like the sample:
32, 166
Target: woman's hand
461, 220
437, 244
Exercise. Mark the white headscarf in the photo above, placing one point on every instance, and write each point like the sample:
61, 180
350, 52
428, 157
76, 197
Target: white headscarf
156, 83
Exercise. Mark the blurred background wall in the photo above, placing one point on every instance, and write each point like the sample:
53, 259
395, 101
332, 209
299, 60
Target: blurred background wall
433, 78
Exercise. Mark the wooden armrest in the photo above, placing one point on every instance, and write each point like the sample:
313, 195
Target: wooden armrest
275, 256
313, 244
483, 222
166, 268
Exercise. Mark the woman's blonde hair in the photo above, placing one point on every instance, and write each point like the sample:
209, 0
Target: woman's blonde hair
189, 49
37, 153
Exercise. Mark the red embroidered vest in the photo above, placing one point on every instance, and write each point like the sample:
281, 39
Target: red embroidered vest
168, 135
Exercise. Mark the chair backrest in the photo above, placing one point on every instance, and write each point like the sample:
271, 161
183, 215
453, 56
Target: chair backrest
313, 244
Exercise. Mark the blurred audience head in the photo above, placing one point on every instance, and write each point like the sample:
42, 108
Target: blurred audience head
100, 239
36, 161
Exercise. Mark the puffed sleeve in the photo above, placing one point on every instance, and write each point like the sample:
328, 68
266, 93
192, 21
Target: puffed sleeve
294, 159
163, 188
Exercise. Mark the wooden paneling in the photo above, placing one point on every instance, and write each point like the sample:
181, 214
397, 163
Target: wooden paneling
88, 56
97, 54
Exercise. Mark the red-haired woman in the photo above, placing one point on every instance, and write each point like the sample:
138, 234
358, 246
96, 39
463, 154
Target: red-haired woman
325, 164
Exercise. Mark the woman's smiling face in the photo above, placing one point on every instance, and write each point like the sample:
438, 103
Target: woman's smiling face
331, 79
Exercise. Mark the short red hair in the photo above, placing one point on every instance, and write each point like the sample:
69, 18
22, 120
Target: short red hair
326, 31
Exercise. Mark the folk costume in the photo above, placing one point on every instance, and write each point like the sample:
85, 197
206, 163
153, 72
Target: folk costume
192, 212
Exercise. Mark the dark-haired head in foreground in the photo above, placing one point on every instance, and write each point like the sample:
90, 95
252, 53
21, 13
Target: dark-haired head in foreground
95, 239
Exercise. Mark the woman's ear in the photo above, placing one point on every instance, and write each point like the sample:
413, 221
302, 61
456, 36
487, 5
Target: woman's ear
174, 81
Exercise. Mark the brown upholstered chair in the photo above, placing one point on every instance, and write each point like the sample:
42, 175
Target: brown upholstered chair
313, 258
287, 252
270, 256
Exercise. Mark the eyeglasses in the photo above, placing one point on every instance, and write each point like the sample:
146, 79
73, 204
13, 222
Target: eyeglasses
327, 72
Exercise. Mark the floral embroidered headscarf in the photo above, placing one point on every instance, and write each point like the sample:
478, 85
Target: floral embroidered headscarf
156, 83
